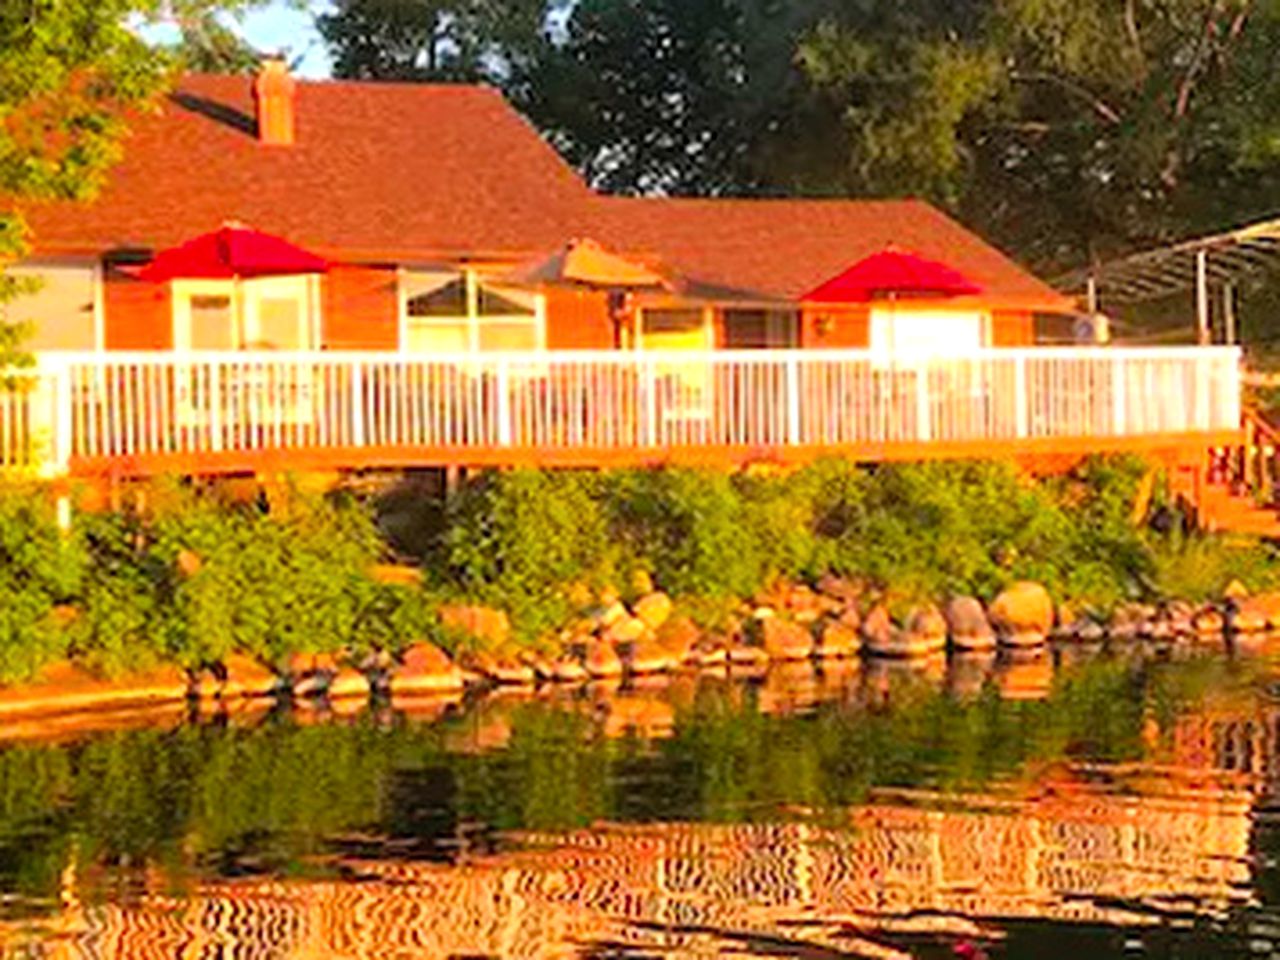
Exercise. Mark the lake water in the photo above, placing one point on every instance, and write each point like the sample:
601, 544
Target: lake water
1098, 804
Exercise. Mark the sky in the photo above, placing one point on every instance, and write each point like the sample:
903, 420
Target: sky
278, 26
281, 26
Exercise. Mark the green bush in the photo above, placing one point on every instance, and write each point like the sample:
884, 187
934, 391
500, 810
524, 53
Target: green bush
690, 527
39, 569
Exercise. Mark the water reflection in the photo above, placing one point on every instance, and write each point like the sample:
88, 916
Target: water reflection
1025, 806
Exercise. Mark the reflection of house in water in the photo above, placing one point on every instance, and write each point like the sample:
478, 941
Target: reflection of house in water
1079, 856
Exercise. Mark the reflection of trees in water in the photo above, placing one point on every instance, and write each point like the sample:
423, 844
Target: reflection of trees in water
281, 798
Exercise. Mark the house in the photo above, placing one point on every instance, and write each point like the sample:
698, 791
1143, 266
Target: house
432, 332
416, 193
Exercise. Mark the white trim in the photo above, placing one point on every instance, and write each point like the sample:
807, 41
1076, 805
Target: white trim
99, 305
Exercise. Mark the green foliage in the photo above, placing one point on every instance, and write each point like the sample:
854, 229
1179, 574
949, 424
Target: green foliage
38, 570
688, 526
519, 538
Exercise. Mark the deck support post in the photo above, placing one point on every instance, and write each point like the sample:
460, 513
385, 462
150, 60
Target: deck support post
793, 401
924, 417
1203, 330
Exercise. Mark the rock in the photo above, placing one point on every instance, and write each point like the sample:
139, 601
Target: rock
395, 575
244, 676
1180, 616
568, 670
348, 683
711, 653
1235, 590
629, 629
1083, 630
488, 627
678, 636
838, 639
1209, 623
1022, 614
785, 639
641, 583
742, 655
1129, 621
501, 669
926, 632
968, 625
425, 668
802, 604
878, 631
601, 660
63, 687
652, 609
648, 656
188, 563
606, 615
838, 588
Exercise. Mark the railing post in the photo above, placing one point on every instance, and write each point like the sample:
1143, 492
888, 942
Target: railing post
62, 418
215, 405
1119, 396
924, 431
357, 405
1021, 401
650, 404
793, 401
504, 402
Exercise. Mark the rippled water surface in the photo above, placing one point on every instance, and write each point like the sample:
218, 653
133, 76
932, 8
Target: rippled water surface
1114, 803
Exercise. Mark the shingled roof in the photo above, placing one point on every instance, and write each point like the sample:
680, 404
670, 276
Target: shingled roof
377, 170
403, 173
781, 249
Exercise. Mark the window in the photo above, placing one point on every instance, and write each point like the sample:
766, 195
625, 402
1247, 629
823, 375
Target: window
266, 313
685, 329
448, 313
212, 322
63, 311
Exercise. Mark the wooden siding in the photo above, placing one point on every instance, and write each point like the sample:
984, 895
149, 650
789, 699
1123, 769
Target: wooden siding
137, 315
836, 328
361, 309
578, 320
1012, 330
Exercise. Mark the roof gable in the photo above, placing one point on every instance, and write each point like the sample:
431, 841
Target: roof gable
377, 169
781, 249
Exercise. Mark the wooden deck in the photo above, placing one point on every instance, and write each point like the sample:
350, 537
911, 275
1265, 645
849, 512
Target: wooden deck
139, 413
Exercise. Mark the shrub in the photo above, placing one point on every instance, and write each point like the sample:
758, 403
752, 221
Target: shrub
517, 539
688, 526
39, 568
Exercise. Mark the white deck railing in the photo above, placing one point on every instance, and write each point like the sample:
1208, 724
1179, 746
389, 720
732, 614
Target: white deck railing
91, 407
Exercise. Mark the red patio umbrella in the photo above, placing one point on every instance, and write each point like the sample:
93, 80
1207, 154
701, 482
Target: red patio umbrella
231, 251
892, 273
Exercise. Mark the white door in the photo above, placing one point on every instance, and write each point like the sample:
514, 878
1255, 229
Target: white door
912, 334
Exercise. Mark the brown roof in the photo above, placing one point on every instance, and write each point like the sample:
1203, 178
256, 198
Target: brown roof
781, 249
377, 169
403, 172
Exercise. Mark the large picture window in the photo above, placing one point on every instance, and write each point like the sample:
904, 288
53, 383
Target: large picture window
462, 313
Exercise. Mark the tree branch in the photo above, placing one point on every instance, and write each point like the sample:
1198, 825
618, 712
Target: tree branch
1099, 106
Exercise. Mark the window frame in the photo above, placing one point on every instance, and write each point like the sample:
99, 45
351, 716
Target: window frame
472, 318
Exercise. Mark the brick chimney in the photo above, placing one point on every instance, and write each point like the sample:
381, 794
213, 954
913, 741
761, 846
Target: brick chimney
274, 97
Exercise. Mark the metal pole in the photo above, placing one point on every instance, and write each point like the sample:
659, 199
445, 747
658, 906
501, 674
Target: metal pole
1229, 313
1091, 294
1203, 333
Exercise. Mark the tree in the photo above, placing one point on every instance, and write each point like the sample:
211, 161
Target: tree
210, 46
69, 73
672, 96
1067, 129
432, 39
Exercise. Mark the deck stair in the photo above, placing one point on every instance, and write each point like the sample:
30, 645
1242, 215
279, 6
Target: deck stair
1238, 492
